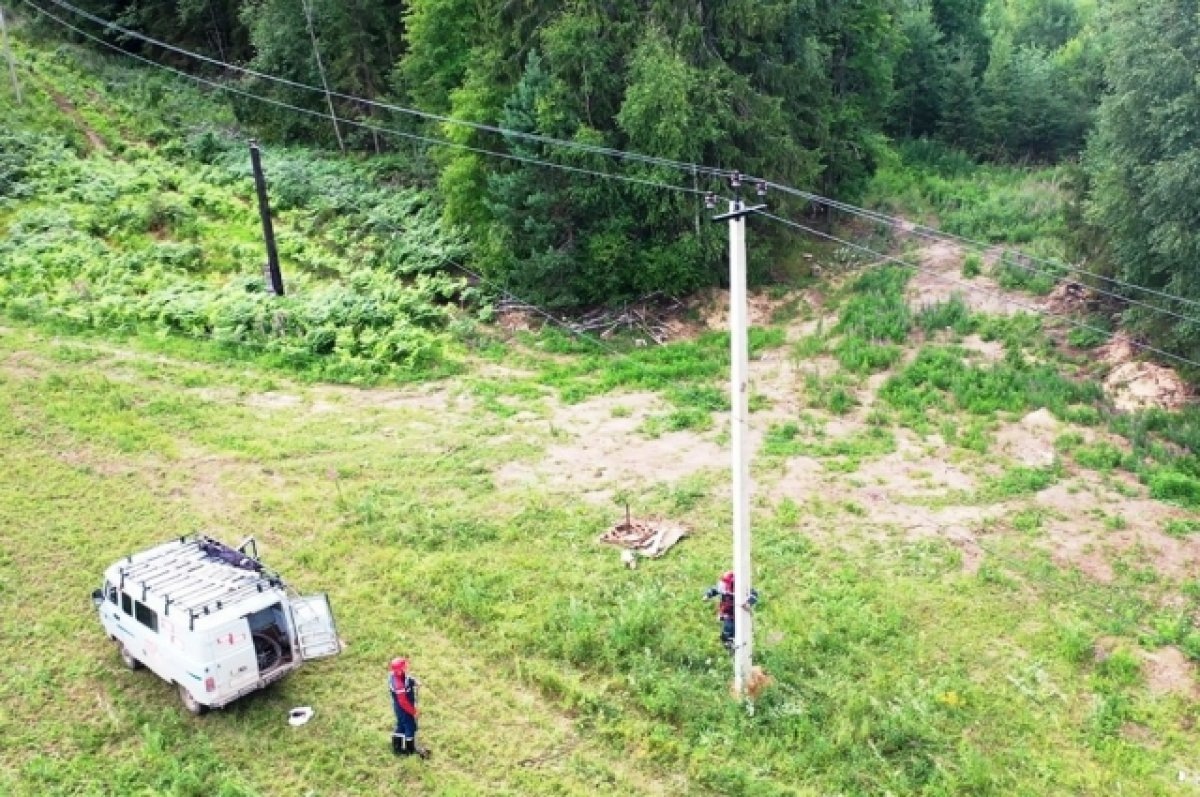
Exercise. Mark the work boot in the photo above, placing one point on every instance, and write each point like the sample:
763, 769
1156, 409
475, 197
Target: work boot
402, 745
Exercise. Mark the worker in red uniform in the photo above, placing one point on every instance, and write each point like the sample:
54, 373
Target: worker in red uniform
403, 688
725, 609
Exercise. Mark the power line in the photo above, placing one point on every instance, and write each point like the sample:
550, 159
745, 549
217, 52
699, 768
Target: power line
693, 168
366, 125
549, 316
577, 145
935, 234
544, 313
977, 288
525, 303
607, 175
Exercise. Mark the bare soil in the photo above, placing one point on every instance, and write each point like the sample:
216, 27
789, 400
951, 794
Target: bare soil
923, 490
596, 450
941, 278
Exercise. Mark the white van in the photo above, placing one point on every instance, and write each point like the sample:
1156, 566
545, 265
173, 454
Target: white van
211, 619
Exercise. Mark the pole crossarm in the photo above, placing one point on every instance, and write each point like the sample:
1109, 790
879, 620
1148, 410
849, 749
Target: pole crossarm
741, 212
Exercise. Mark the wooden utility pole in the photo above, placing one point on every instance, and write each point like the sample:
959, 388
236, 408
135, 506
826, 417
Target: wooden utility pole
312, 34
274, 276
12, 66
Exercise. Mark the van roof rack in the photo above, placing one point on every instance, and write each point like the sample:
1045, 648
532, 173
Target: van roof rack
196, 574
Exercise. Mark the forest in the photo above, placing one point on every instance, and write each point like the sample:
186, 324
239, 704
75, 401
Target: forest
811, 95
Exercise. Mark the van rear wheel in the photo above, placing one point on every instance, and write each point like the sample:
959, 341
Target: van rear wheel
127, 657
191, 704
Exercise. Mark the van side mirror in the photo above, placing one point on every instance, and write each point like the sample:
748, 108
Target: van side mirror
97, 597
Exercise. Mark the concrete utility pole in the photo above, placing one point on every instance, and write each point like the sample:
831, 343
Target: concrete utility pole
743, 640
12, 67
274, 276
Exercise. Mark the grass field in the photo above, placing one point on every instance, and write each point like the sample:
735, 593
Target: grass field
977, 578
914, 651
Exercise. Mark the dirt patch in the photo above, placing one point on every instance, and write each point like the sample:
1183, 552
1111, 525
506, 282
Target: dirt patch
86, 459
1136, 386
988, 350
23, 365
1031, 440
802, 478
1119, 349
1169, 672
902, 475
514, 321
426, 397
713, 307
813, 326
67, 107
1069, 298
776, 377
940, 279
598, 450
1138, 734
1079, 534
272, 400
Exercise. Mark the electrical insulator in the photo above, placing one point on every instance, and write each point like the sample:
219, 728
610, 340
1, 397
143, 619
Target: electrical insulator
735, 180
761, 188
710, 200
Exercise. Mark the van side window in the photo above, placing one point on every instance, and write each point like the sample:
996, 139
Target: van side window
145, 615
110, 592
126, 604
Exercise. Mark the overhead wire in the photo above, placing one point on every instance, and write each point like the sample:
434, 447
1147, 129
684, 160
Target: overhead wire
693, 168
976, 288
690, 168
366, 125
474, 274
931, 233
608, 175
937, 235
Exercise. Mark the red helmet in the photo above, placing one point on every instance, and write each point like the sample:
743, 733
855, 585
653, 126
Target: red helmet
400, 666
727, 578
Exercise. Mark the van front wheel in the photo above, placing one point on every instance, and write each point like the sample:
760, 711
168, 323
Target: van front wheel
127, 657
191, 704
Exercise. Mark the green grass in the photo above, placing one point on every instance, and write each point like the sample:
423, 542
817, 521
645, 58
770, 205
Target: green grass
550, 668
1017, 481
513, 615
1182, 527
941, 379
995, 204
842, 454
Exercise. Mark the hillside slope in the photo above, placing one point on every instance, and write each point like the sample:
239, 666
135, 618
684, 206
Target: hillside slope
978, 576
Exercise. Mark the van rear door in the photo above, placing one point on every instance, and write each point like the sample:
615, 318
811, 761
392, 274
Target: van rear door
233, 651
316, 633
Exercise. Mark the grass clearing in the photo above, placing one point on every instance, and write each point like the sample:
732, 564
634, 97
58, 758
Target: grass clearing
550, 667
520, 621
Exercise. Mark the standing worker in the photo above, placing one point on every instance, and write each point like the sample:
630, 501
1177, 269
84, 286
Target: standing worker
403, 688
725, 609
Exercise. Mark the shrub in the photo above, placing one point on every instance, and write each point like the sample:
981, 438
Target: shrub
950, 314
1092, 333
1182, 527
1101, 456
1169, 485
